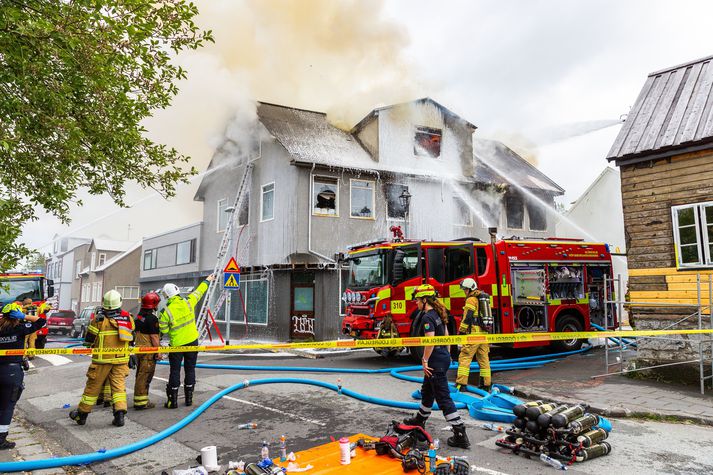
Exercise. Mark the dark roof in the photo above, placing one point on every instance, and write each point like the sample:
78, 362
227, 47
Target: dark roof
674, 111
494, 161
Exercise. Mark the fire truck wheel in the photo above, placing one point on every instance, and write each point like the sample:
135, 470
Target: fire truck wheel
568, 323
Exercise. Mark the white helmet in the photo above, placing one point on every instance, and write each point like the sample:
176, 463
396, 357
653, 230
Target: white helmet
468, 284
170, 290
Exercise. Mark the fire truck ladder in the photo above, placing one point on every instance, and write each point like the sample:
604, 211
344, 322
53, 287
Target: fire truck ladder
215, 296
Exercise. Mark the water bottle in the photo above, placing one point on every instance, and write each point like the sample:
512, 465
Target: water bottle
432, 457
553, 462
265, 451
249, 425
493, 427
283, 449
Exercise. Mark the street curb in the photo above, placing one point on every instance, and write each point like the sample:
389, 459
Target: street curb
621, 412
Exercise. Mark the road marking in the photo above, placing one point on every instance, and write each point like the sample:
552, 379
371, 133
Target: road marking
475, 468
267, 408
55, 360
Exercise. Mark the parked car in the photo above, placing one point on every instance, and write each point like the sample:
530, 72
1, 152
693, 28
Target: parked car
60, 321
81, 323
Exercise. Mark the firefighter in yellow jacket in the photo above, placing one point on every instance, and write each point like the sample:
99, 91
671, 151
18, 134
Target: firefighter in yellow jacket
112, 328
472, 323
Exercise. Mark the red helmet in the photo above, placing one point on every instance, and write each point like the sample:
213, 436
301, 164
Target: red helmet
150, 300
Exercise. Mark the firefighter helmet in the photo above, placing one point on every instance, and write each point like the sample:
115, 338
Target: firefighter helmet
468, 284
170, 290
150, 300
423, 291
112, 300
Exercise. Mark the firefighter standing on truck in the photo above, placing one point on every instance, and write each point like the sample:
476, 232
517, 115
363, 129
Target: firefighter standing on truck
112, 328
475, 319
147, 335
178, 319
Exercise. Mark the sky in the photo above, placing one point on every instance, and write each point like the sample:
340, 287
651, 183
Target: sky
527, 72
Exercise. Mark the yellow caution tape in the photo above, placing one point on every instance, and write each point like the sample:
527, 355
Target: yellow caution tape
379, 343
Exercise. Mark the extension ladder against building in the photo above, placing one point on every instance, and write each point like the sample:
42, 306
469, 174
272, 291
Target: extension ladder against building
215, 296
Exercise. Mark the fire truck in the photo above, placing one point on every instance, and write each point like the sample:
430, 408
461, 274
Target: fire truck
17, 286
542, 285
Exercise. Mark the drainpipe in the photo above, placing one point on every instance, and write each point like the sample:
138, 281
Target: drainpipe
309, 219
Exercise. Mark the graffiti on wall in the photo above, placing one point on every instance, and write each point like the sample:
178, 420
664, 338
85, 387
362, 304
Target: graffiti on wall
302, 326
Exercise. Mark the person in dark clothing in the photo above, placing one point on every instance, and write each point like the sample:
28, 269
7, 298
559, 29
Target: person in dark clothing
14, 327
146, 335
436, 361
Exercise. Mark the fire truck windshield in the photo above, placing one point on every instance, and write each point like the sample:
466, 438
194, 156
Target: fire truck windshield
367, 271
19, 289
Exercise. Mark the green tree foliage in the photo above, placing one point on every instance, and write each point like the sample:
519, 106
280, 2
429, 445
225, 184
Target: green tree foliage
77, 77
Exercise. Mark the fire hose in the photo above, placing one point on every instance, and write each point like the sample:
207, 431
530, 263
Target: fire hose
94, 457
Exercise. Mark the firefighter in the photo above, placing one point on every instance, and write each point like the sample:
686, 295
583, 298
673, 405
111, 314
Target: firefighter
436, 361
178, 319
472, 323
147, 335
14, 327
29, 308
112, 328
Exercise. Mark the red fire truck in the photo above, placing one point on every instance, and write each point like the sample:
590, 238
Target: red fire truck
542, 285
17, 286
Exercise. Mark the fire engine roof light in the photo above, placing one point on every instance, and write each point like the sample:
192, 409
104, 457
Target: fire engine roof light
606, 246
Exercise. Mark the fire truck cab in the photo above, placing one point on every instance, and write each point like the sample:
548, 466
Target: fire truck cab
543, 285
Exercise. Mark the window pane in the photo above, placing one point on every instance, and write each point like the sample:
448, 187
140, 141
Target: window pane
515, 211
410, 262
244, 210
324, 197
257, 303
459, 263
183, 253
362, 199
303, 299
427, 142
435, 264
166, 256
689, 255
482, 259
538, 217
268, 202
709, 214
686, 217
394, 208
222, 215
688, 235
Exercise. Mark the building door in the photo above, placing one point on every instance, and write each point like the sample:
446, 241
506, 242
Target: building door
302, 306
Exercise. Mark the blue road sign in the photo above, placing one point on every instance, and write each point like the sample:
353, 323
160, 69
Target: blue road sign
231, 280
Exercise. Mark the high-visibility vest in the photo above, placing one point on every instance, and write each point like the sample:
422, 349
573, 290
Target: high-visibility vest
178, 319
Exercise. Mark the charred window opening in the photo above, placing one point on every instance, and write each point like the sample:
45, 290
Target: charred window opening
515, 211
464, 217
394, 208
427, 142
325, 196
244, 214
537, 215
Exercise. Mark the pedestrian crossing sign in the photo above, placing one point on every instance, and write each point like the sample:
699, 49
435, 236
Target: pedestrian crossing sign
231, 280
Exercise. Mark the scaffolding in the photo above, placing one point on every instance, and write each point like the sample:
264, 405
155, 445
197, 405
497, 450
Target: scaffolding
618, 349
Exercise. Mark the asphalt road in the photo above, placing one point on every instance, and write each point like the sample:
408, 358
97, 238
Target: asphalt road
310, 416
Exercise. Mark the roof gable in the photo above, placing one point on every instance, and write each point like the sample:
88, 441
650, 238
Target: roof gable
674, 110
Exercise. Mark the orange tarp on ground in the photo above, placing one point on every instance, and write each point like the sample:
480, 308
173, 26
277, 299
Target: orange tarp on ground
325, 460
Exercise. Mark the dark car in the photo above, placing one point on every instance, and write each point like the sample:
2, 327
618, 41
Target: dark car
60, 321
81, 323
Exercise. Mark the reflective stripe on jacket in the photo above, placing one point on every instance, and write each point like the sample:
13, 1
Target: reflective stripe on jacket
469, 323
104, 333
178, 319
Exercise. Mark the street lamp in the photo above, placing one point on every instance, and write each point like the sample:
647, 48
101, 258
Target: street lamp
405, 200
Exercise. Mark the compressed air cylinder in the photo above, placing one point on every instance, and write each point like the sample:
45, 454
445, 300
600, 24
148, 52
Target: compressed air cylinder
543, 420
565, 417
592, 437
593, 452
532, 413
532, 427
519, 422
583, 424
520, 409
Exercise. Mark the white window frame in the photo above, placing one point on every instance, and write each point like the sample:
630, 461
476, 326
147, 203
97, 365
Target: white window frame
93, 262
331, 179
262, 201
219, 213
458, 200
78, 270
703, 240
124, 289
373, 198
154, 257
191, 252
102, 259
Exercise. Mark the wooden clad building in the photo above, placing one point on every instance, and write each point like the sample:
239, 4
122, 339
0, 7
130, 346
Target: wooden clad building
665, 154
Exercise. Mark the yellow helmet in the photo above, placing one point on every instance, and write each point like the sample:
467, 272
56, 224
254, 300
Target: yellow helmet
425, 290
112, 300
10, 307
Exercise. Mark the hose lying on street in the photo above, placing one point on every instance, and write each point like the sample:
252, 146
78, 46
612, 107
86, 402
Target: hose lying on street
95, 457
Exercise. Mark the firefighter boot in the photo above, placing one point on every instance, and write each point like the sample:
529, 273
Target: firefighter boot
416, 420
78, 416
188, 392
118, 418
483, 386
172, 395
460, 438
461, 388
4, 443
